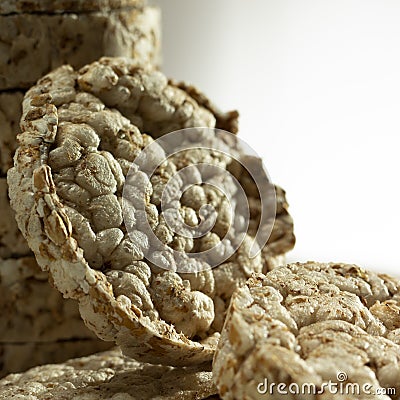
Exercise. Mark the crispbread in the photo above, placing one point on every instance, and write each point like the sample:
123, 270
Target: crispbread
76, 147
108, 376
310, 324
60, 6
33, 44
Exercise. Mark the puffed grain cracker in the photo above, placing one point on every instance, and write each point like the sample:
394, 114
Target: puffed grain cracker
34, 44
308, 324
81, 132
107, 376
63, 6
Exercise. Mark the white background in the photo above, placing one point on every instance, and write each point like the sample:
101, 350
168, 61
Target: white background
317, 84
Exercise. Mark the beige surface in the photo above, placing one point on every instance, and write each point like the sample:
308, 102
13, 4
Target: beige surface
109, 376
74, 157
311, 323
58, 6
18, 357
33, 44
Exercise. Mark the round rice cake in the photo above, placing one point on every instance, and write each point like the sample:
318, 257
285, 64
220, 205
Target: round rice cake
311, 324
81, 133
63, 6
108, 376
34, 44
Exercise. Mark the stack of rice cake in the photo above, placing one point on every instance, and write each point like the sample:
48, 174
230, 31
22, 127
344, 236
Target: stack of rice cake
37, 36
37, 325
